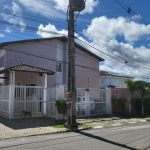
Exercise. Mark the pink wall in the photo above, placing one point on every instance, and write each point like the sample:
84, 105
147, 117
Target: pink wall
45, 50
82, 73
120, 91
49, 50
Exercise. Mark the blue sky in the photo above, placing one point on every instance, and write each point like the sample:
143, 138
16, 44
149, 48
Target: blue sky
117, 35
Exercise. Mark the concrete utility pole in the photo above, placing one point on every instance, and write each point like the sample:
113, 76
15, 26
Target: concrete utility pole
74, 5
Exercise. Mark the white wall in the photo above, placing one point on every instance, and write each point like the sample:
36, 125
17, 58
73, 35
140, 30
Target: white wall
115, 81
59, 75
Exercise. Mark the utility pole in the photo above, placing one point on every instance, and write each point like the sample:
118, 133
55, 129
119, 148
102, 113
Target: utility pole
74, 5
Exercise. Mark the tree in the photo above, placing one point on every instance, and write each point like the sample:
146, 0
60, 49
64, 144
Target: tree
141, 87
131, 86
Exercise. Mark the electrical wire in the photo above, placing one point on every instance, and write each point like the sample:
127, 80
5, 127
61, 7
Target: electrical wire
111, 56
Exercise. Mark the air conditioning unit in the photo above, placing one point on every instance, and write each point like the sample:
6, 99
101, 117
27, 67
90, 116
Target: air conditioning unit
77, 5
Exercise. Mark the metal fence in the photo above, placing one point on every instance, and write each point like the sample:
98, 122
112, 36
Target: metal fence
90, 102
50, 102
97, 102
4, 99
28, 98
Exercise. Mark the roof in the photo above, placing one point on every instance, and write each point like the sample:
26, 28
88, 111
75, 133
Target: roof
61, 38
105, 73
27, 68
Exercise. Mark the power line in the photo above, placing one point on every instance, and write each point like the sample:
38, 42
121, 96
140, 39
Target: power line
122, 57
43, 57
30, 28
109, 56
124, 54
129, 10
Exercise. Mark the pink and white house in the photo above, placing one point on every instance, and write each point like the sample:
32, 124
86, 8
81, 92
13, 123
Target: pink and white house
32, 70
110, 79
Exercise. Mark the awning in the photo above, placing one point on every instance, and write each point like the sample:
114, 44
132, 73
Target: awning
27, 68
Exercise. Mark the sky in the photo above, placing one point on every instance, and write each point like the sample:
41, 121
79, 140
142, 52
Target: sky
103, 27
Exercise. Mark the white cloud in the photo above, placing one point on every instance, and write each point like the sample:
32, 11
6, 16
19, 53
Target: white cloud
45, 8
1, 35
48, 31
90, 4
16, 9
54, 8
114, 27
7, 30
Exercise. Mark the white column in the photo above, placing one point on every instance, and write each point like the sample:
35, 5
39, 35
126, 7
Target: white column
11, 94
108, 101
87, 103
44, 92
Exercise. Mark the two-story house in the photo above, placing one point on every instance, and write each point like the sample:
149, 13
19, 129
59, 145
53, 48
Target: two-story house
51, 54
110, 79
31, 71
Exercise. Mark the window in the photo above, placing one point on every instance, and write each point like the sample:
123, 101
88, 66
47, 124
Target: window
116, 94
59, 67
2, 61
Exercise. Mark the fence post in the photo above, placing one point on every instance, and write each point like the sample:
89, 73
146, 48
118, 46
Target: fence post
44, 92
108, 101
24, 98
87, 109
11, 94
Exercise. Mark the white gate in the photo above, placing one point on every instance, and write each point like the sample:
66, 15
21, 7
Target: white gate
4, 99
28, 98
90, 102
50, 102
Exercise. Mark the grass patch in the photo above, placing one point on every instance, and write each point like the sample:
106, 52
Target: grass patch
59, 126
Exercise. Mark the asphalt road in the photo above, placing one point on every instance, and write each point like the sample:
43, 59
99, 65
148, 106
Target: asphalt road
129, 137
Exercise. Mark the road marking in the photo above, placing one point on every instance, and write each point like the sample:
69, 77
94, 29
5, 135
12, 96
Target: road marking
97, 127
117, 124
132, 122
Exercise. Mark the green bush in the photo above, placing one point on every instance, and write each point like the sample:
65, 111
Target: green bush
61, 107
118, 105
137, 102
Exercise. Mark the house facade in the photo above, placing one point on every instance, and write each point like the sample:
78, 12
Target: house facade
34, 74
51, 54
108, 79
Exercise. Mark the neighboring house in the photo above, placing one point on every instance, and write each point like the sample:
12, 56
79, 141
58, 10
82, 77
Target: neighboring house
51, 54
33, 72
109, 79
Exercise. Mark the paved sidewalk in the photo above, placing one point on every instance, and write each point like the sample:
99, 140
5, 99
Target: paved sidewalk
39, 126
27, 127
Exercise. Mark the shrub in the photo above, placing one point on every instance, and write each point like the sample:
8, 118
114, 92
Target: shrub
61, 107
137, 102
119, 105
